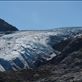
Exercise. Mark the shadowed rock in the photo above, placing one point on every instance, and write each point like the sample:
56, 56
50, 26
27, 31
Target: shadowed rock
4, 26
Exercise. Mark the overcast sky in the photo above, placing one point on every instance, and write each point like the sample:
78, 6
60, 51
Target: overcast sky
41, 14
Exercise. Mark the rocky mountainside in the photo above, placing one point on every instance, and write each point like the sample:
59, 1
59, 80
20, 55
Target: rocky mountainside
5, 27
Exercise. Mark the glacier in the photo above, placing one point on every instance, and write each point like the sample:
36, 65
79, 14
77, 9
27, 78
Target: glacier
25, 49
20, 50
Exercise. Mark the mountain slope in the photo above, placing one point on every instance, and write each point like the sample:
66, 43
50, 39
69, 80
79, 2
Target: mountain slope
4, 26
74, 45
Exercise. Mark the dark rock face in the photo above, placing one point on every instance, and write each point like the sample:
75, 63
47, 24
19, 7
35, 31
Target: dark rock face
6, 64
4, 26
74, 45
